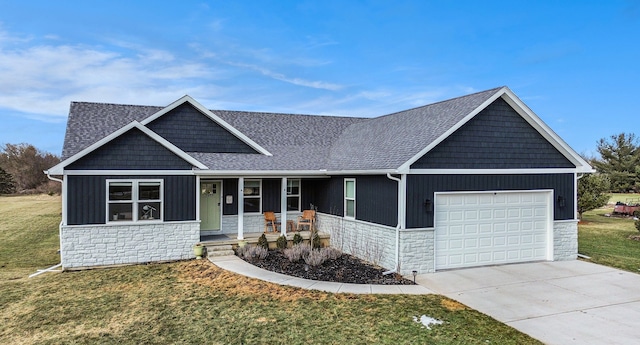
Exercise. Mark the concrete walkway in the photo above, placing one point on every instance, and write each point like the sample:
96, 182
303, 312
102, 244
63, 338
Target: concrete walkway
235, 264
565, 302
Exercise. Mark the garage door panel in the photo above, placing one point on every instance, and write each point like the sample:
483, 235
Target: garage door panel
475, 229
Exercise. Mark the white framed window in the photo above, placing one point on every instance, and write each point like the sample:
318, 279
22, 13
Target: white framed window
134, 200
293, 195
252, 196
350, 197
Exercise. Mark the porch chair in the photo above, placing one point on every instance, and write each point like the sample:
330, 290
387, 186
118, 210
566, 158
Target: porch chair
307, 218
270, 221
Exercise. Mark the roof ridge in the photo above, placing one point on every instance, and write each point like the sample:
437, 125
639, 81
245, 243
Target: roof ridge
290, 114
438, 102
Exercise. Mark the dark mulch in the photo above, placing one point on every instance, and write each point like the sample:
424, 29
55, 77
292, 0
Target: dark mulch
345, 269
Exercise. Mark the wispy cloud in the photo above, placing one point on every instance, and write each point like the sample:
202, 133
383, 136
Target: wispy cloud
43, 79
316, 84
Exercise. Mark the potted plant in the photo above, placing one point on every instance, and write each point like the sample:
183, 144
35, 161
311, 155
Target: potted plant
198, 250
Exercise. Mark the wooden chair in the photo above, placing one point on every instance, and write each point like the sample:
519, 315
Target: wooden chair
270, 221
307, 218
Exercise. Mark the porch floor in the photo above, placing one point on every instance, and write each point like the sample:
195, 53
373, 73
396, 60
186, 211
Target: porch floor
252, 238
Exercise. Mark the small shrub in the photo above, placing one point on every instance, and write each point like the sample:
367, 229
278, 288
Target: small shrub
256, 253
315, 258
297, 252
297, 238
332, 253
262, 242
241, 251
637, 224
315, 240
282, 242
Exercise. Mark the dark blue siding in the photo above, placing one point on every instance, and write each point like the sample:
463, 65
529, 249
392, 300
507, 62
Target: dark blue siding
377, 200
376, 197
133, 150
271, 195
326, 194
86, 198
192, 131
422, 187
497, 138
230, 187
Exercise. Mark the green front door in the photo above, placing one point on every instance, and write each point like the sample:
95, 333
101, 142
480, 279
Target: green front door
210, 205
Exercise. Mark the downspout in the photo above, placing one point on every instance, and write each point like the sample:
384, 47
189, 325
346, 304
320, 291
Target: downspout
53, 268
399, 226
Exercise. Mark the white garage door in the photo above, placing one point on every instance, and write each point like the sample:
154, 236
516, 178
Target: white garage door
476, 229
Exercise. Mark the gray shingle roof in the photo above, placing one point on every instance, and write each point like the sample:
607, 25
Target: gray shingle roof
297, 142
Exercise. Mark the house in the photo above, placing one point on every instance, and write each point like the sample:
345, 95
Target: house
474, 180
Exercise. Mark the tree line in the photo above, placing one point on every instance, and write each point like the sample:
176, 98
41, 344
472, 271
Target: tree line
21, 170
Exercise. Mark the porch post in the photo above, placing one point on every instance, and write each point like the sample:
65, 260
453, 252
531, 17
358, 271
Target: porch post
283, 207
241, 208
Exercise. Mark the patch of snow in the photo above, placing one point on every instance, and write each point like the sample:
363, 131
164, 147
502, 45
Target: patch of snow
427, 321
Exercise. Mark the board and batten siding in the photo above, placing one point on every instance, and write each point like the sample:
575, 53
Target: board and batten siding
376, 197
422, 187
133, 150
86, 198
192, 131
497, 138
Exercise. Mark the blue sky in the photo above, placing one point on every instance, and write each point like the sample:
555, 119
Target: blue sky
575, 63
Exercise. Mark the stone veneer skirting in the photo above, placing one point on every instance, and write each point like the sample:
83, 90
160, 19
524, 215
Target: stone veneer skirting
565, 240
376, 243
107, 245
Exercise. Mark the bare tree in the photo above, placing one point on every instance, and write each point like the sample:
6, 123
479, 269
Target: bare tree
26, 164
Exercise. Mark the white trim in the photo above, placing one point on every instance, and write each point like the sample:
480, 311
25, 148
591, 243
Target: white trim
286, 193
270, 173
545, 131
284, 185
129, 223
130, 172
198, 187
212, 116
240, 208
528, 115
344, 198
59, 168
490, 171
134, 201
259, 197
360, 172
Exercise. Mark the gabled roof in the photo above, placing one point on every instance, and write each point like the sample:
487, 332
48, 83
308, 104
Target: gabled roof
314, 143
58, 169
387, 142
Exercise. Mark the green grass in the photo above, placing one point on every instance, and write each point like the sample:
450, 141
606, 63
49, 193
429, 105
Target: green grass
606, 240
194, 302
623, 197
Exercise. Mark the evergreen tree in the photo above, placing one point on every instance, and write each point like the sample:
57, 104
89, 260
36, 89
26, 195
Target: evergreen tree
7, 185
592, 192
620, 161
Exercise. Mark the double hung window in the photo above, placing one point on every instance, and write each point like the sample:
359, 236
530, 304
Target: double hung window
293, 195
134, 200
252, 196
350, 197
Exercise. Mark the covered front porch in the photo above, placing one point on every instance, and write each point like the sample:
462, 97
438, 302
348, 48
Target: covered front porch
233, 208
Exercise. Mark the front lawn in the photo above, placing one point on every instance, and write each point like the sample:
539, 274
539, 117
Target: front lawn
193, 302
606, 240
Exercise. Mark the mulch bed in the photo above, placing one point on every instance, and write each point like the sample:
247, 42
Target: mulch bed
345, 269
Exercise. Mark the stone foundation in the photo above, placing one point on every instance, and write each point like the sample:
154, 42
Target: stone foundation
565, 240
108, 245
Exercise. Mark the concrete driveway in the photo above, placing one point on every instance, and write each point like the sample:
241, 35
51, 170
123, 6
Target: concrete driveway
565, 302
